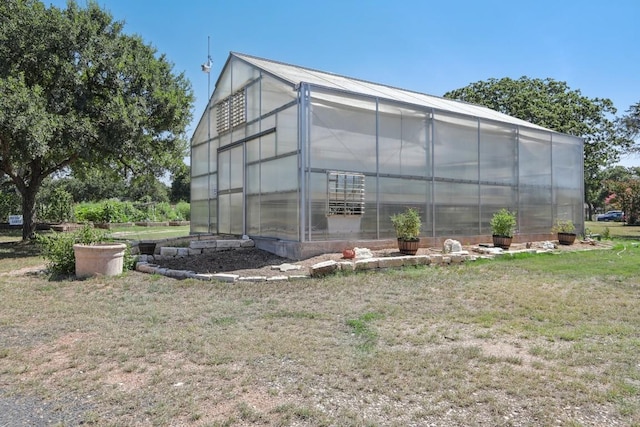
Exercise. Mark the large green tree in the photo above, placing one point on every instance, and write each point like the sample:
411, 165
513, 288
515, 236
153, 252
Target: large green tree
552, 104
77, 92
630, 124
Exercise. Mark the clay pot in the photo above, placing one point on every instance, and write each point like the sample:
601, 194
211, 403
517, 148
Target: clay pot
105, 259
348, 254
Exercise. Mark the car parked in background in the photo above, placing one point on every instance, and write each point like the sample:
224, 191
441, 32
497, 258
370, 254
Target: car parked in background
611, 216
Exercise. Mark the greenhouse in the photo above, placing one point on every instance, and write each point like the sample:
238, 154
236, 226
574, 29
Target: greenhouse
305, 161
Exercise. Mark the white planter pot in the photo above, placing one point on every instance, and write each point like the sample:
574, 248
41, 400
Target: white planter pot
106, 259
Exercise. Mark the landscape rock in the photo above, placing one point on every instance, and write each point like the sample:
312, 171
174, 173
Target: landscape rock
225, 277
451, 245
363, 253
286, 267
323, 268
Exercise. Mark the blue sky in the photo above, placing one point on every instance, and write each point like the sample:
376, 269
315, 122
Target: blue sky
426, 46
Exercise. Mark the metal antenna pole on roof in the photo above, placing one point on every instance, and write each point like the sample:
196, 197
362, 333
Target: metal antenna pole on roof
206, 68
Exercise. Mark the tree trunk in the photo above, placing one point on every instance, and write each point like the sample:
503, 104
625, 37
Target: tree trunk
29, 212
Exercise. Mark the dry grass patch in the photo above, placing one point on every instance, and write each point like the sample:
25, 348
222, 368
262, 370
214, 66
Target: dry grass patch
519, 342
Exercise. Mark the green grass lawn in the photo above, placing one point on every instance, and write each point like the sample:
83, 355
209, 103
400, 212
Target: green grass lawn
615, 229
535, 340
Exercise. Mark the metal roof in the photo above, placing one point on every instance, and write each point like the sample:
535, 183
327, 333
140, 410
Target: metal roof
296, 75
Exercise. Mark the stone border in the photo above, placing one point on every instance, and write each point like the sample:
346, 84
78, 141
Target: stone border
145, 263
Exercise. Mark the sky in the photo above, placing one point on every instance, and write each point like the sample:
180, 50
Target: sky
425, 46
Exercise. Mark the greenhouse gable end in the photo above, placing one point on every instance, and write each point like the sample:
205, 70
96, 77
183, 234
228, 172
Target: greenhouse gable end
306, 162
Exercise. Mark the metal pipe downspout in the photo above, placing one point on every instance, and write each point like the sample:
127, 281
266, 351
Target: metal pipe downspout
303, 141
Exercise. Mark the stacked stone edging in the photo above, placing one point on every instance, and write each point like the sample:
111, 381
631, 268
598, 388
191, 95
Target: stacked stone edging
146, 264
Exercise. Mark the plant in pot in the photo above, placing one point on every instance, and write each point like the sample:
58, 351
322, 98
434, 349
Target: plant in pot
503, 224
565, 230
407, 225
86, 252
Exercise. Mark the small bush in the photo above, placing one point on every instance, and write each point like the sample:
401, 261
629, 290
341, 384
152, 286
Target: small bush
182, 211
57, 207
9, 205
88, 212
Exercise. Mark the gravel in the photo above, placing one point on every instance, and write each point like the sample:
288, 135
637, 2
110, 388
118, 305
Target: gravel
17, 410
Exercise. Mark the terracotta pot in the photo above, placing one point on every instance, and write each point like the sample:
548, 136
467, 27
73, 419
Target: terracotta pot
503, 242
105, 259
408, 247
566, 238
348, 254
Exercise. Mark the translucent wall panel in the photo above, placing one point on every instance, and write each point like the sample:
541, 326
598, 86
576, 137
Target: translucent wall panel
200, 159
253, 101
567, 178
242, 74
253, 179
200, 187
253, 128
402, 141
567, 206
225, 139
252, 150
369, 221
275, 94
287, 126
343, 137
237, 167
278, 215
253, 215
396, 194
199, 213
238, 133
565, 151
224, 213
492, 199
224, 170
498, 153
268, 146
213, 155
237, 215
230, 213
279, 175
223, 86
456, 147
534, 157
213, 185
318, 209
213, 215
200, 134
456, 209
536, 211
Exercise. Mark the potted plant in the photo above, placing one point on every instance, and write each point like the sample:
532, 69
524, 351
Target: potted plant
565, 231
407, 225
503, 224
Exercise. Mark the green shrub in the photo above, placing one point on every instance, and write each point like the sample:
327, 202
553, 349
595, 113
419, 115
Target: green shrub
88, 212
163, 211
112, 211
56, 207
182, 211
9, 205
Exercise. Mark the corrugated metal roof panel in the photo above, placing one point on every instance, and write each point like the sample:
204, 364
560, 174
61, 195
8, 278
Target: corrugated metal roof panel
295, 75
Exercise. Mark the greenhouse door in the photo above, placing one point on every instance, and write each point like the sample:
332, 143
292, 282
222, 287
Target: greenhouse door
231, 190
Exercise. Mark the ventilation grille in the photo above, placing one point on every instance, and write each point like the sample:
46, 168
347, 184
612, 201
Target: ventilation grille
231, 112
345, 193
